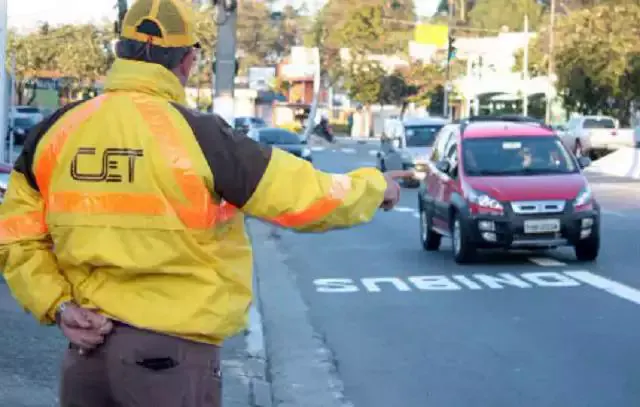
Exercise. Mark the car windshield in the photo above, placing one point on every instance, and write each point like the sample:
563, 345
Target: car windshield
599, 123
421, 136
278, 136
508, 156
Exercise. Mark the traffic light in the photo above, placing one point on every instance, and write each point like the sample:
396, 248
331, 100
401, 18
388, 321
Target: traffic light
452, 50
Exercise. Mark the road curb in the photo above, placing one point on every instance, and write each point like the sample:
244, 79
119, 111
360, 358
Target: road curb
300, 368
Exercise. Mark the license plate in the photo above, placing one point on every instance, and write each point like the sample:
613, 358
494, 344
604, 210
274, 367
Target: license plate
542, 226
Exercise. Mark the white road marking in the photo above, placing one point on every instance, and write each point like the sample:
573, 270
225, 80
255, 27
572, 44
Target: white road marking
348, 150
416, 215
546, 262
472, 282
373, 153
605, 284
404, 209
318, 148
612, 213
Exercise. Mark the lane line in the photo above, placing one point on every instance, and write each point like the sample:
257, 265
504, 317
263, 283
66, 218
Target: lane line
416, 215
373, 153
546, 262
318, 148
404, 209
605, 284
348, 150
612, 213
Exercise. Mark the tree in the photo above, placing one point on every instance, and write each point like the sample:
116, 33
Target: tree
363, 81
493, 15
597, 59
290, 26
256, 34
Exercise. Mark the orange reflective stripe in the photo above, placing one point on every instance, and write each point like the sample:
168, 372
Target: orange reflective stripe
199, 211
18, 227
312, 214
49, 157
107, 203
340, 187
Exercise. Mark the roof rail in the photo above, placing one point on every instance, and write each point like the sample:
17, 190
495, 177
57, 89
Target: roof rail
501, 118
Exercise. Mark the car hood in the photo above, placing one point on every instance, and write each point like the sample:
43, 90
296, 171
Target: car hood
418, 153
530, 187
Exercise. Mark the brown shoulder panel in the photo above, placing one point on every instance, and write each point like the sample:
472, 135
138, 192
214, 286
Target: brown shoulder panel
237, 162
24, 163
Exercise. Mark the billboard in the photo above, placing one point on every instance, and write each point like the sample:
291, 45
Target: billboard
261, 78
431, 34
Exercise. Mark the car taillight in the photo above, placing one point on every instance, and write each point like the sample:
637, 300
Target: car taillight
613, 132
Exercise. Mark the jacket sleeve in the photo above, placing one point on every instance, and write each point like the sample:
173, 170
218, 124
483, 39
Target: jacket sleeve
26, 257
273, 185
293, 194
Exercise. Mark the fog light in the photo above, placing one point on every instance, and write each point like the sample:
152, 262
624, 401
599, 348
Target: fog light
585, 233
487, 225
489, 237
587, 222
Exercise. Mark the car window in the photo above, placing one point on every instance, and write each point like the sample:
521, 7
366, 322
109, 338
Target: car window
599, 123
24, 122
421, 136
505, 156
442, 139
452, 157
27, 110
257, 122
278, 136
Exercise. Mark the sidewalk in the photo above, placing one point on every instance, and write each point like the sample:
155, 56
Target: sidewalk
243, 376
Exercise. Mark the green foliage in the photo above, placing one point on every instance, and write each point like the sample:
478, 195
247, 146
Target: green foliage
363, 81
597, 59
495, 14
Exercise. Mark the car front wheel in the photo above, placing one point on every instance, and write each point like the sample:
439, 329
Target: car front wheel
588, 249
463, 250
430, 239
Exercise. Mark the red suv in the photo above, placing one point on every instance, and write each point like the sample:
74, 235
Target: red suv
506, 184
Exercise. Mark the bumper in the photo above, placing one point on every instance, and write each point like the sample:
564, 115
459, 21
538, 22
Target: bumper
508, 231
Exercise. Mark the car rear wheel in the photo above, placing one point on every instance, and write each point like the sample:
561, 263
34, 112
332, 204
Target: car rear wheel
588, 249
430, 239
463, 250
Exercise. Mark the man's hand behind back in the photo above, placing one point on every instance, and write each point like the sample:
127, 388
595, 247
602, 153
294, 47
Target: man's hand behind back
392, 194
84, 328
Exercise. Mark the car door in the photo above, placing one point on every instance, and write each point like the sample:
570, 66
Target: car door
443, 176
450, 182
433, 179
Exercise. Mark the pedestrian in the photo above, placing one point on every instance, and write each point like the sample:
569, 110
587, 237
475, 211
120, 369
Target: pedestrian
123, 223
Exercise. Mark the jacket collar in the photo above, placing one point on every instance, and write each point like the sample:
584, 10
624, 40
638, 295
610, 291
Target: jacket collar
152, 79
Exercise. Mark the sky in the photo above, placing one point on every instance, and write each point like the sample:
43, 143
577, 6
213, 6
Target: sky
29, 12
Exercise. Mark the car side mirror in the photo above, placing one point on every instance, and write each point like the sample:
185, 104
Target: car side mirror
444, 166
584, 162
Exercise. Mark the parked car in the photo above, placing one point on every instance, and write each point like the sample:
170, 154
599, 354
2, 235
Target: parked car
406, 144
27, 111
21, 127
244, 124
507, 185
282, 139
593, 135
5, 170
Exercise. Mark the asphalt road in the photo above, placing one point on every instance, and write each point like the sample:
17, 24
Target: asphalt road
413, 329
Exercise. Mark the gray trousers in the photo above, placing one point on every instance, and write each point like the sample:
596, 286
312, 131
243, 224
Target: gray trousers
136, 368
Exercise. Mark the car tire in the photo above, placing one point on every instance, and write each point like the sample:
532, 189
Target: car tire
383, 168
430, 240
464, 251
588, 249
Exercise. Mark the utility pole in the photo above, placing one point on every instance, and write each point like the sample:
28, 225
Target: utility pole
122, 11
225, 66
525, 70
445, 102
551, 68
4, 92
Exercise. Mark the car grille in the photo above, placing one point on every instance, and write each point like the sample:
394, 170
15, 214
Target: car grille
535, 207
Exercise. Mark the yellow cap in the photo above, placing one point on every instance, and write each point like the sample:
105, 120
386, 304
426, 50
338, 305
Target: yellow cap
165, 23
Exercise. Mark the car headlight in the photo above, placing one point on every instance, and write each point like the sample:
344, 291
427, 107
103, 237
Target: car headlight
306, 152
584, 197
485, 201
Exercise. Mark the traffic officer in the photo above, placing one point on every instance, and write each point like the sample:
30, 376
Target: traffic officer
123, 223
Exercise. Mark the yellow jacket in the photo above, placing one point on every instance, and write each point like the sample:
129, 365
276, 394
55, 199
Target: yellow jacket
132, 204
